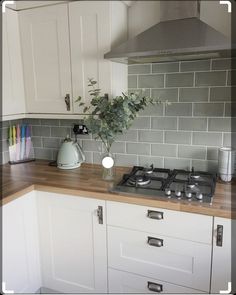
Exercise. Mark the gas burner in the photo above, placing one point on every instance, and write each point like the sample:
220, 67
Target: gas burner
148, 170
191, 185
195, 176
140, 180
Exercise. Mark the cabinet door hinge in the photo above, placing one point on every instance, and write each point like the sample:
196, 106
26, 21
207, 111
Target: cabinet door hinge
100, 214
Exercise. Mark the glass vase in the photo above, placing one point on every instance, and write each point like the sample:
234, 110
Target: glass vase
108, 166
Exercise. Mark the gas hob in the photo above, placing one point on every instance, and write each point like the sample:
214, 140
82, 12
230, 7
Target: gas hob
194, 186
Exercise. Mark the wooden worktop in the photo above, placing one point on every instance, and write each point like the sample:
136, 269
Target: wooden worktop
87, 181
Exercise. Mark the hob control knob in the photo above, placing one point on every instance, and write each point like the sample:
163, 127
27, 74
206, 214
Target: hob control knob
178, 194
167, 191
188, 195
199, 196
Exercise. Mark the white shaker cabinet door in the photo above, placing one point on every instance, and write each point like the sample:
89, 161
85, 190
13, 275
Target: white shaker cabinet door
46, 58
20, 252
73, 244
90, 40
13, 100
221, 259
94, 27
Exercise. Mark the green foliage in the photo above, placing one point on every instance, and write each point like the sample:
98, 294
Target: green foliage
107, 118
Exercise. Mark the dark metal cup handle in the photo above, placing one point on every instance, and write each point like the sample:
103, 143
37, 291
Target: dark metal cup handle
155, 242
155, 214
154, 287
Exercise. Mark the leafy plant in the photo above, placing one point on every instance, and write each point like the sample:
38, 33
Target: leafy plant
107, 118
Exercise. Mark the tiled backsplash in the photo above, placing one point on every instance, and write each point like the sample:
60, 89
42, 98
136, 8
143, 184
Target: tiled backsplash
184, 134
197, 122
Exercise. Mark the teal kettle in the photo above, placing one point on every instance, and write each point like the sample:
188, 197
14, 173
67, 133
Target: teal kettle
70, 155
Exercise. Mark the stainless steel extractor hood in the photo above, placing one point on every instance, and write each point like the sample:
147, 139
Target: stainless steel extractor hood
180, 35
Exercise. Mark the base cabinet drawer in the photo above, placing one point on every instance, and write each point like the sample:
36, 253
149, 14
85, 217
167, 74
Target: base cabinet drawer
181, 225
173, 260
124, 282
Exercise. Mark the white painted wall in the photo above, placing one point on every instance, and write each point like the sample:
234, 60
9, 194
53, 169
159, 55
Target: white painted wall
216, 15
144, 14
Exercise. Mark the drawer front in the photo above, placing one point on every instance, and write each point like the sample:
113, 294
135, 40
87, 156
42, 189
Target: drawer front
188, 226
173, 260
124, 282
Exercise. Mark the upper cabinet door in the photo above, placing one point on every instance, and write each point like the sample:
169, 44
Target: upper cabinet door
94, 27
13, 85
46, 58
90, 40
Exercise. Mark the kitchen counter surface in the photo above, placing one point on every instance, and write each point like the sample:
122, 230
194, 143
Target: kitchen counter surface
86, 181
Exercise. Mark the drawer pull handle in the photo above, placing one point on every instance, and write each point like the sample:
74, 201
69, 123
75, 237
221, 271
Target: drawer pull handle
155, 242
219, 236
155, 214
100, 214
158, 288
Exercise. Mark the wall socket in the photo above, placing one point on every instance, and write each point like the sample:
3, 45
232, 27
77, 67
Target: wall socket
80, 129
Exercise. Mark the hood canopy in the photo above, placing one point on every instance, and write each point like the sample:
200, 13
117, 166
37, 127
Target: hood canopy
178, 39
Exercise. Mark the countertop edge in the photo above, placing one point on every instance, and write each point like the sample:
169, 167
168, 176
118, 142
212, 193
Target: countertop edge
120, 198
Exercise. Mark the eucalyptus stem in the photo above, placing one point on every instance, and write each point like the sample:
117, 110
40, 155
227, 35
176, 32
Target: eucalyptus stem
111, 117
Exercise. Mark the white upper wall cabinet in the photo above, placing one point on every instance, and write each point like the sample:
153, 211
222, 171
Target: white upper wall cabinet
13, 85
46, 58
63, 46
94, 27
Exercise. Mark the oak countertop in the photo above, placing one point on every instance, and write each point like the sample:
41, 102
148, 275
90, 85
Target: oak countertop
86, 181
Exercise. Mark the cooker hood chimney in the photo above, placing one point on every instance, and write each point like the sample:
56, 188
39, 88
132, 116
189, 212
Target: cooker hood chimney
180, 35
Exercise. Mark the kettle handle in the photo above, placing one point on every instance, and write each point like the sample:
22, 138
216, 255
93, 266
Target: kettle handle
80, 150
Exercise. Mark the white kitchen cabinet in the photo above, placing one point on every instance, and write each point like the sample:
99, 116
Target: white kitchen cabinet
46, 58
96, 26
221, 260
176, 261
125, 283
13, 100
20, 252
73, 244
19, 5
166, 245
63, 46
